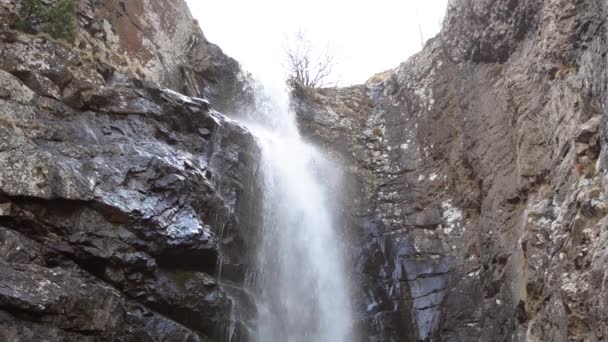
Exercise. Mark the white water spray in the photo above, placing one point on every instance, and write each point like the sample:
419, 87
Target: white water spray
301, 281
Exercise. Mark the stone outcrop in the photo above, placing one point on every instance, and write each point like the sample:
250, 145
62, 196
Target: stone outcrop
479, 170
154, 40
121, 199
164, 40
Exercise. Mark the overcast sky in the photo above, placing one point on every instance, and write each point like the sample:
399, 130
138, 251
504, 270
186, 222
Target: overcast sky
365, 36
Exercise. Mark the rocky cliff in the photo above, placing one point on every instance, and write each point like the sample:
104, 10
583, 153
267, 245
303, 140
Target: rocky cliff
121, 199
479, 172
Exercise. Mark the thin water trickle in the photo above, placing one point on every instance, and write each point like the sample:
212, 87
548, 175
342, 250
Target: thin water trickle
301, 284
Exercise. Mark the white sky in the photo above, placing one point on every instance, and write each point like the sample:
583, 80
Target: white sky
365, 36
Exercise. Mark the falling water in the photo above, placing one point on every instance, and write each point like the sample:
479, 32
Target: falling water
301, 283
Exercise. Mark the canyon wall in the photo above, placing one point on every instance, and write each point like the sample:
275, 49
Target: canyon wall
121, 199
479, 171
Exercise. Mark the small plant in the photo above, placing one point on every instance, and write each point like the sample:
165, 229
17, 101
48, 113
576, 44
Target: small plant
8, 121
377, 131
546, 191
380, 77
585, 167
59, 20
565, 71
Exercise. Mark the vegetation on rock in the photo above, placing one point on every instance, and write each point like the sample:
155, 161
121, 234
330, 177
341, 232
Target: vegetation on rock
307, 67
58, 20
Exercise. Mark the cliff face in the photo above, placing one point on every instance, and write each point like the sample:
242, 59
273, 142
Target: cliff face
168, 44
120, 200
480, 170
477, 169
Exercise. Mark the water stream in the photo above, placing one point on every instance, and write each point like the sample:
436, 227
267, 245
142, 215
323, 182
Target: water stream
301, 283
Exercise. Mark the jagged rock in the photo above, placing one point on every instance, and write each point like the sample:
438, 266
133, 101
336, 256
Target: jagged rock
163, 38
116, 211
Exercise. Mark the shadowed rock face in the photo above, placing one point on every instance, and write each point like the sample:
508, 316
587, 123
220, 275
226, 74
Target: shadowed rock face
479, 177
120, 200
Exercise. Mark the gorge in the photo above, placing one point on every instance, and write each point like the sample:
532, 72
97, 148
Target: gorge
149, 192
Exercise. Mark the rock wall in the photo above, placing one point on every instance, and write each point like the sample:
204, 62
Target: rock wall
480, 170
122, 200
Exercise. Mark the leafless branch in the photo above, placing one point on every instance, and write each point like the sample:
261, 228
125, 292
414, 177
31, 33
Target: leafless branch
305, 67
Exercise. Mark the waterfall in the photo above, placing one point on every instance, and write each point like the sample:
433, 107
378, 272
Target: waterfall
301, 283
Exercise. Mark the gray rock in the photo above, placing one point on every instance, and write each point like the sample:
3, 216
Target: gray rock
116, 215
482, 161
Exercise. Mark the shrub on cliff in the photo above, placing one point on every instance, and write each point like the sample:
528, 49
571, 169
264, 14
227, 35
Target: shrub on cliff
58, 20
306, 66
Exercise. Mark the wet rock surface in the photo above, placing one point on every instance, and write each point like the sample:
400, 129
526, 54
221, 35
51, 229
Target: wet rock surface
478, 171
120, 199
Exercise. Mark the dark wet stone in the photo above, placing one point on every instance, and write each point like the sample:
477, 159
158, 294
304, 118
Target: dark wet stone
110, 228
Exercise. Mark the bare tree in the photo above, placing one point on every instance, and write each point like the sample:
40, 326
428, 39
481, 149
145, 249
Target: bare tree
307, 67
